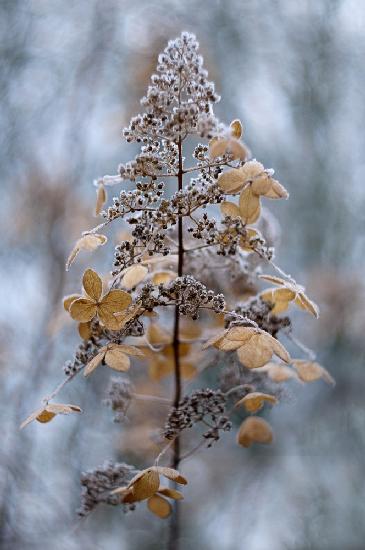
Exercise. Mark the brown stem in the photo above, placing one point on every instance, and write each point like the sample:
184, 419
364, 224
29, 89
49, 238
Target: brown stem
175, 520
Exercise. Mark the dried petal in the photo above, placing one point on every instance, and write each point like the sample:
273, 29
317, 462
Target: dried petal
254, 430
254, 401
255, 353
95, 361
231, 181
276, 191
134, 275
309, 371
157, 336
117, 360
249, 206
101, 198
163, 277
261, 184
236, 128
67, 301
172, 474
144, 484
170, 493
83, 310
159, 506
305, 303
92, 284
116, 301
84, 330
230, 209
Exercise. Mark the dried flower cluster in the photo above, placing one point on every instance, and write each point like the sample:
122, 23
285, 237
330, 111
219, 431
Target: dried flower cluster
187, 271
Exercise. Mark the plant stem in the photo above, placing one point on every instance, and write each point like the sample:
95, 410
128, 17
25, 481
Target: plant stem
175, 519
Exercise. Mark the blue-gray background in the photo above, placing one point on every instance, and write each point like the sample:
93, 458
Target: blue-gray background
71, 75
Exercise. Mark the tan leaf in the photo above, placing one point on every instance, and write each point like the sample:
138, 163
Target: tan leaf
172, 474
277, 347
170, 493
254, 401
251, 233
217, 147
157, 336
95, 361
231, 181
163, 277
254, 430
67, 301
261, 184
145, 484
215, 340
278, 373
89, 242
256, 352
230, 209
45, 416
85, 331
92, 284
251, 170
305, 303
159, 506
273, 279
249, 206
276, 191
101, 198
116, 301
236, 128
117, 360
60, 408
309, 371
34, 416
134, 275
237, 149
83, 310
129, 350
188, 370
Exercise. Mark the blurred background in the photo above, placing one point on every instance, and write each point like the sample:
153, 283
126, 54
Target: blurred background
71, 77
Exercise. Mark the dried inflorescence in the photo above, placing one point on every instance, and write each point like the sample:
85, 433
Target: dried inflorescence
98, 484
203, 406
186, 270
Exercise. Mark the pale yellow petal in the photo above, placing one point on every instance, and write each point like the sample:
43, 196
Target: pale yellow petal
95, 362
117, 360
231, 181
230, 209
172, 474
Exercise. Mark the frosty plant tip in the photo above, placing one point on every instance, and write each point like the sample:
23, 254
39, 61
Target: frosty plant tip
186, 292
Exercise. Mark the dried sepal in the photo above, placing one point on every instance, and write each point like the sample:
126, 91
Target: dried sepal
278, 373
310, 371
157, 336
253, 402
236, 128
289, 291
101, 198
170, 493
171, 474
114, 356
231, 181
159, 506
230, 209
85, 330
67, 300
48, 412
254, 347
163, 277
250, 207
254, 430
105, 307
90, 241
134, 275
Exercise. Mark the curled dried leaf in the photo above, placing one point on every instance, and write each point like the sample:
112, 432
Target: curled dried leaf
172, 474
236, 128
170, 493
101, 198
90, 241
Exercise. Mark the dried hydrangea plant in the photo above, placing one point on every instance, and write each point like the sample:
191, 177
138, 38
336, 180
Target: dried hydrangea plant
183, 289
